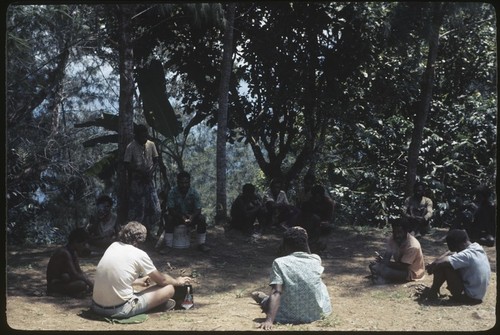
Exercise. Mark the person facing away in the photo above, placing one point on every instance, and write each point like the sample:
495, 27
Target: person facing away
64, 275
482, 229
141, 160
402, 260
418, 210
465, 269
246, 209
103, 226
184, 208
124, 265
298, 294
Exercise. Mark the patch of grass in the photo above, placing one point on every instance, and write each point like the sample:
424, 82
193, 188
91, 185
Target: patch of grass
241, 294
301, 327
388, 294
329, 321
165, 316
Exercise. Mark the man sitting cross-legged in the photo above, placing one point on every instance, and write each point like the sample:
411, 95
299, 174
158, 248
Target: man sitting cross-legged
124, 265
408, 264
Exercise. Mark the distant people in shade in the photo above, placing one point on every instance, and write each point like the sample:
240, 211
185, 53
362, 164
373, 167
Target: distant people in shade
418, 211
247, 211
64, 275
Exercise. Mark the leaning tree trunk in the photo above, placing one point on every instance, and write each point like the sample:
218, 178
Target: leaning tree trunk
426, 96
226, 67
126, 113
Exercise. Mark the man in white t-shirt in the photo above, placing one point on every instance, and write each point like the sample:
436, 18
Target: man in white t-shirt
124, 265
465, 269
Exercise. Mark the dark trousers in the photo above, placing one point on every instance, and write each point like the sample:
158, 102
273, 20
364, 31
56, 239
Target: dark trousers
454, 283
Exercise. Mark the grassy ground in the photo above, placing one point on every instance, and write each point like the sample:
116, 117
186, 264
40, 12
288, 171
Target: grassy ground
234, 268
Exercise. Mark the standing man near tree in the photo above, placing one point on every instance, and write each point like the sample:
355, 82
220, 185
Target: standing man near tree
141, 160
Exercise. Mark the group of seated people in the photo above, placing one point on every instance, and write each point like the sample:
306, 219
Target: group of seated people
465, 267
313, 210
127, 283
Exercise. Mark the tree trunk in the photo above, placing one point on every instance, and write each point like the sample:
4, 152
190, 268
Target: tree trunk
226, 68
422, 109
126, 114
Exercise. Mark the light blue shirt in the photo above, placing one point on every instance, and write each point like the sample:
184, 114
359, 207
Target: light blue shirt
305, 297
187, 204
474, 267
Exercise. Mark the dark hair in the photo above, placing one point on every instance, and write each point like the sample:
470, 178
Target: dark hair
295, 239
140, 129
456, 236
400, 222
183, 174
310, 176
78, 235
248, 189
318, 189
483, 190
419, 183
104, 198
276, 181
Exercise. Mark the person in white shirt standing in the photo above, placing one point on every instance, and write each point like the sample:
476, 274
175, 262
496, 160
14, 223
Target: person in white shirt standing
465, 269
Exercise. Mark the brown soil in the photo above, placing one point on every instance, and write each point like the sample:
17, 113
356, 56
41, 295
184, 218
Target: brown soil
226, 276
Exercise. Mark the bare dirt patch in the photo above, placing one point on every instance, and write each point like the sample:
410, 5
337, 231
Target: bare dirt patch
234, 268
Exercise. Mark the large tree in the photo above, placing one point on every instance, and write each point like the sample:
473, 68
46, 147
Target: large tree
221, 158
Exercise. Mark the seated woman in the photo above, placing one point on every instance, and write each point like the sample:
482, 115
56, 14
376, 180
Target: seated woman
64, 275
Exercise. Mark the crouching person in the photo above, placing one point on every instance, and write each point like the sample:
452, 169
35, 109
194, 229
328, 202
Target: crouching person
64, 275
124, 265
298, 294
465, 269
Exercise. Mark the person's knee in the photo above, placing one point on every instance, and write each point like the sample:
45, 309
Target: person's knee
200, 221
65, 277
167, 292
487, 241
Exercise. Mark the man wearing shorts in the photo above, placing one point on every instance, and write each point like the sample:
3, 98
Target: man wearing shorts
124, 265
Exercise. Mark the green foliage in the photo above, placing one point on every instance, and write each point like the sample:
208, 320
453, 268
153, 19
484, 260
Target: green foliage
326, 87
